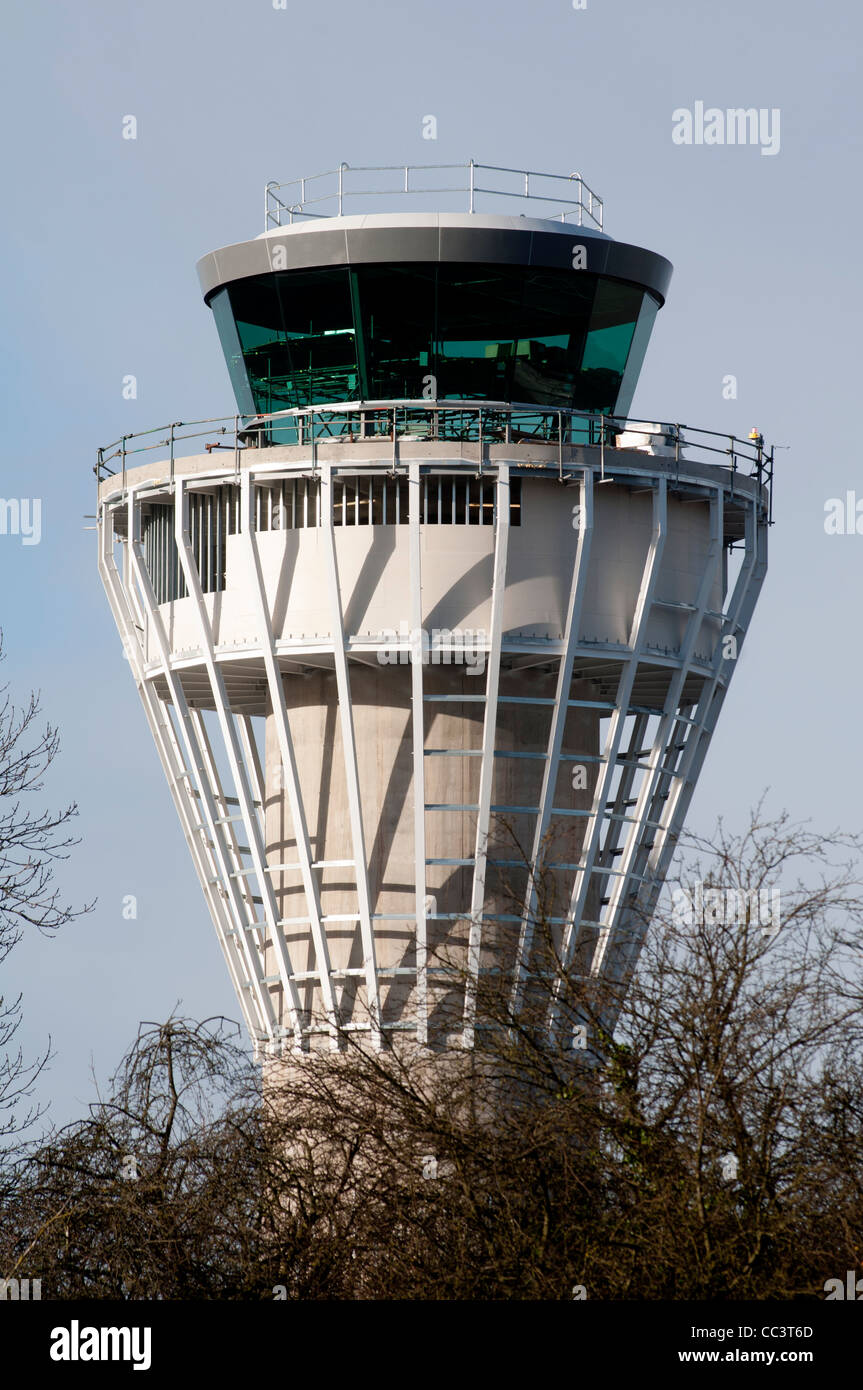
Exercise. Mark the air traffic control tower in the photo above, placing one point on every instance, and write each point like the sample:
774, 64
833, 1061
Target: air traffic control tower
429, 610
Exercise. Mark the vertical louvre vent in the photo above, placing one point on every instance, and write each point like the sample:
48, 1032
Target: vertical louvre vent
292, 503
445, 500
213, 516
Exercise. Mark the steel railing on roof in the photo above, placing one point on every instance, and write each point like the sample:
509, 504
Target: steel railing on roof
566, 195
487, 422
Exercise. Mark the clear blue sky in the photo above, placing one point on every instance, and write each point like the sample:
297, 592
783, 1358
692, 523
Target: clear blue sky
100, 237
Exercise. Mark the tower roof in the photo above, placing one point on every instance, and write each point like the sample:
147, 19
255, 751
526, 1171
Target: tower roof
435, 236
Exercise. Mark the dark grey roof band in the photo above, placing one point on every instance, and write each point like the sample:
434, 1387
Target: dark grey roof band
334, 246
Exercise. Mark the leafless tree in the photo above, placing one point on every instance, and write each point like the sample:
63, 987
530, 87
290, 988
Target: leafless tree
711, 1146
32, 841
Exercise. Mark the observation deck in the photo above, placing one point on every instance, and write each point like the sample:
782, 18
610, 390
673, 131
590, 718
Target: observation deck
456, 451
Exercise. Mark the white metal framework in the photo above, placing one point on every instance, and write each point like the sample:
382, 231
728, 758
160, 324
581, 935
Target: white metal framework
650, 756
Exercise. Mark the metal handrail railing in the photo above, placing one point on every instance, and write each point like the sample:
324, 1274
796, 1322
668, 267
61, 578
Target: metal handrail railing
446, 420
281, 210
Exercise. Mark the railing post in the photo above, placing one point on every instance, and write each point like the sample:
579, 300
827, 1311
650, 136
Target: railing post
123, 452
471, 205
172, 453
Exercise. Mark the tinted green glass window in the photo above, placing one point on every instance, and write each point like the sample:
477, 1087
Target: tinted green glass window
612, 323
510, 333
395, 308
233, 350
320, 339
458, 332
297, 338
638, 347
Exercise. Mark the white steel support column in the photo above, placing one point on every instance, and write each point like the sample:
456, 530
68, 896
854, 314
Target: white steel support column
637, 637
489, 732
630, 764
738, 615
235, 761
350, 756
560, 710
418, 742
178, 778
278, 705
635, 836
252, 760
226, 825
248, 948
